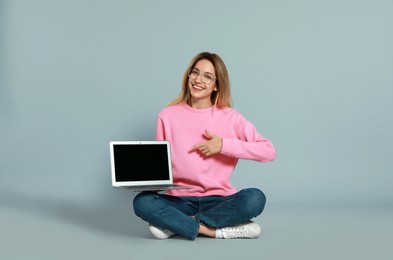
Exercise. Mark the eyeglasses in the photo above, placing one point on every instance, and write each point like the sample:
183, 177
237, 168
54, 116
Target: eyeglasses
206, 78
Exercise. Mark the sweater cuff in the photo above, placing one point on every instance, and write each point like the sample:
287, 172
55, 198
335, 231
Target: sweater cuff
227, 146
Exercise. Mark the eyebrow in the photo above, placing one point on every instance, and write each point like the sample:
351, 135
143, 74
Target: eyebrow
195, 68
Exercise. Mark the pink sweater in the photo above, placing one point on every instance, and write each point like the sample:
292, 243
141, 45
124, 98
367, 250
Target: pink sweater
185, 126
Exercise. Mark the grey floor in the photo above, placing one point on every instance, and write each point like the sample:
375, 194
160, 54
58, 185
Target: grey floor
75, 230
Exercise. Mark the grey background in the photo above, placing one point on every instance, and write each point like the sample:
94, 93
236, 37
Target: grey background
315, 77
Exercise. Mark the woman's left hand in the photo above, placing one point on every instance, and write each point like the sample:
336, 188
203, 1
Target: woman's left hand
212, 146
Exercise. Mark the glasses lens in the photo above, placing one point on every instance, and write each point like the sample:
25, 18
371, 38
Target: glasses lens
193, 74
205, 78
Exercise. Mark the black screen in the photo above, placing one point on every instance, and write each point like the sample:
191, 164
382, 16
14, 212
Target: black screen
147, 162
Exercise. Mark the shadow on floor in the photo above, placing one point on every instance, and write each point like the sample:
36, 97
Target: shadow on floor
112, 217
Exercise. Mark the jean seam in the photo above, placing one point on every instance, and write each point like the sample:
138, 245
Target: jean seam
196, 230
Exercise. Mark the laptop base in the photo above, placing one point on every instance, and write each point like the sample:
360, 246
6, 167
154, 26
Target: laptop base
154, 188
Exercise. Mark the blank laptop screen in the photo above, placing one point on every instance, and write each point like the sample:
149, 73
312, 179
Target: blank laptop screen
141, 162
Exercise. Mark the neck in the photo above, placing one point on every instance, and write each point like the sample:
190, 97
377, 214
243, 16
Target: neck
202, 104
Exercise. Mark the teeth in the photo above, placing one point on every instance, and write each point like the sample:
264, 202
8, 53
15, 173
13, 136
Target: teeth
198, 87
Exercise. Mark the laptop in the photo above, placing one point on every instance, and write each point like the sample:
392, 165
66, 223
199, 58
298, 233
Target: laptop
142, 165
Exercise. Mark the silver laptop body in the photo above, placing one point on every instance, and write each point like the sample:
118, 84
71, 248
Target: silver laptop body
142, 165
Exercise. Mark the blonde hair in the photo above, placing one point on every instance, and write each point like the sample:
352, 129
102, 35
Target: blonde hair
222, 97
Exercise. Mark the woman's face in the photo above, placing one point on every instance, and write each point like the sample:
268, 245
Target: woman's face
202, 83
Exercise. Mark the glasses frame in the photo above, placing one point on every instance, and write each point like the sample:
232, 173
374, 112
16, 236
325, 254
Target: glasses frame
205, 78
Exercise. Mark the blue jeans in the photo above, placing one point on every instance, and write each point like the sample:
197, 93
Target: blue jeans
183, 215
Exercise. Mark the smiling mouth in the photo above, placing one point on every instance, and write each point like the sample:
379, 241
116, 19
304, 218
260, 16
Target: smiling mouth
198, 87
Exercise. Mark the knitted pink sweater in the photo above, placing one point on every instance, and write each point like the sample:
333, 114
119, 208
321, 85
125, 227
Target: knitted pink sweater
185, 126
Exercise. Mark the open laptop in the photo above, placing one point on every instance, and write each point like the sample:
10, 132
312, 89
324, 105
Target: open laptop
142, 165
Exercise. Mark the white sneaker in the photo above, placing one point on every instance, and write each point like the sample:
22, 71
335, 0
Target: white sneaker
160, 233
248, 230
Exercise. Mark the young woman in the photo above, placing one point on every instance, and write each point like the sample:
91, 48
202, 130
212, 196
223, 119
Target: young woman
207, 139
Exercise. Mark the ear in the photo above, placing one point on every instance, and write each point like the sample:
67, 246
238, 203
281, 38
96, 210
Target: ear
215, 89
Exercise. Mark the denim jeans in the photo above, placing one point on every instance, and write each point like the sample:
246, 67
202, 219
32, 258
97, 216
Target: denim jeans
183, 215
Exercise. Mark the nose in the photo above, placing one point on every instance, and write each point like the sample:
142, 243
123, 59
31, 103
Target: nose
199, 78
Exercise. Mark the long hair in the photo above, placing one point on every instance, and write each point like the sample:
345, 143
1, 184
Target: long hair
222, 97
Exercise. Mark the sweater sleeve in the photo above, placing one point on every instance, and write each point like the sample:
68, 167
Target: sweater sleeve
250, 145
160, 131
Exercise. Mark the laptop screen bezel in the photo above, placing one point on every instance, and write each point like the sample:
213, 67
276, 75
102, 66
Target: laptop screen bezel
116, 183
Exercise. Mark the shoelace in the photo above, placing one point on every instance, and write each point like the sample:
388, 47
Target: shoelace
236, 231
